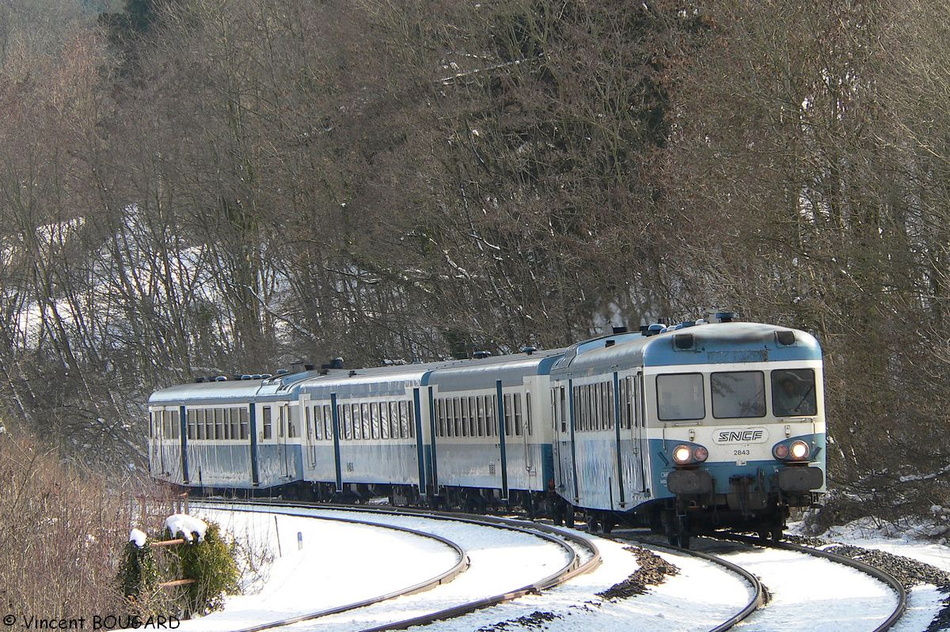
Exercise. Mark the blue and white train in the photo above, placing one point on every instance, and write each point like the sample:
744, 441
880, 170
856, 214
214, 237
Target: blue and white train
686, 429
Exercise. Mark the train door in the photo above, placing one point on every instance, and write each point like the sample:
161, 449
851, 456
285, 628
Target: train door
283, 430
563, 453
310, 432
253, 437
526, 423
156, 453
639, 442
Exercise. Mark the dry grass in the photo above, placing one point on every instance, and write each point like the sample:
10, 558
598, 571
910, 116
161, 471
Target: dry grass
62, 533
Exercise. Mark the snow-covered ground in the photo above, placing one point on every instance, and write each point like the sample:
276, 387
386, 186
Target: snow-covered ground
343, 563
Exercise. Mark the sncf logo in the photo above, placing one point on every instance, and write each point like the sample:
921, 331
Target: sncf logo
740, 435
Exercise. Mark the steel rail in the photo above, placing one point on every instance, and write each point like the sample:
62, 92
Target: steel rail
759, 593
567, 541
876, 573
461, 565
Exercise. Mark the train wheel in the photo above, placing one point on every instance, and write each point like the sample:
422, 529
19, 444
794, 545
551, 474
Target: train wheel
592, 518
777, 533
677, 529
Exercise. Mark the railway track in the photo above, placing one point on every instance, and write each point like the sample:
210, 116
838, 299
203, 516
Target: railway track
823, 608
889, 619
735, 555
578, 553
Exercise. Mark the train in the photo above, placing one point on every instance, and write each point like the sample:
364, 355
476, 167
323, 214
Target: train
686, 429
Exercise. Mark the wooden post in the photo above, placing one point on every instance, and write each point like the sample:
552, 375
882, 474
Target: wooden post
177, 582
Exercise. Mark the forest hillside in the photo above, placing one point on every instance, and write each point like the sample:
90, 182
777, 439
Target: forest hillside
192, 187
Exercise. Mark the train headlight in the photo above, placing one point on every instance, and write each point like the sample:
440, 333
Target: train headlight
797, 450
688, 454
682, 454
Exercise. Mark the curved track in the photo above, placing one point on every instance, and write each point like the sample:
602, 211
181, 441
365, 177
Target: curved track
581, 555
885, 578
461, 565
758, 597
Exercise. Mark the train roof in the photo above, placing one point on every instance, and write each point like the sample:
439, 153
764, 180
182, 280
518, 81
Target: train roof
225, 391
727, 342
448, 375
384, 380
732, 342
485, 372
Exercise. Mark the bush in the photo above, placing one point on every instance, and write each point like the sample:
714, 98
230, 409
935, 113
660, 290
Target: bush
204, 557
211, 562
139, 573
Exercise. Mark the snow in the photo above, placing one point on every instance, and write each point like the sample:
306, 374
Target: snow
186, 526
342, 563
138, 537
847, 599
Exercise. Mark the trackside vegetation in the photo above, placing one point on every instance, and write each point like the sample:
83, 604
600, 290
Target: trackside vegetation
187, 578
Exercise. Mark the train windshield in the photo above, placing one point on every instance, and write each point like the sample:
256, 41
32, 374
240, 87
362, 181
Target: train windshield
738, 394
680, 397
793, 393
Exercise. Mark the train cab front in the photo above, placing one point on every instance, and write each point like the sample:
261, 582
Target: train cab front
747, 479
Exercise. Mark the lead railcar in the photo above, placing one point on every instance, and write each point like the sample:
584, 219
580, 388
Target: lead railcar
718, 425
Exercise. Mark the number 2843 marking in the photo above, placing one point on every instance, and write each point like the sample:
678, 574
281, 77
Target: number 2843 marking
741, 452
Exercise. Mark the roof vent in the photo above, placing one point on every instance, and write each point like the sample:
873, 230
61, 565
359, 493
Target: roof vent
722, 317
335, 363
528, 349
481, 355
682, 342
785, 337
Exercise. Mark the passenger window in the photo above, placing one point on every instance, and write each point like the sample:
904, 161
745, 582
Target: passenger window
381, 420
518, 420
738, 394
267, 422
680, 397
357, 421
319, 423
293, 422
793, 393
234, 418
491, 423
405, 415
479, 430
562, 407
343, 414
